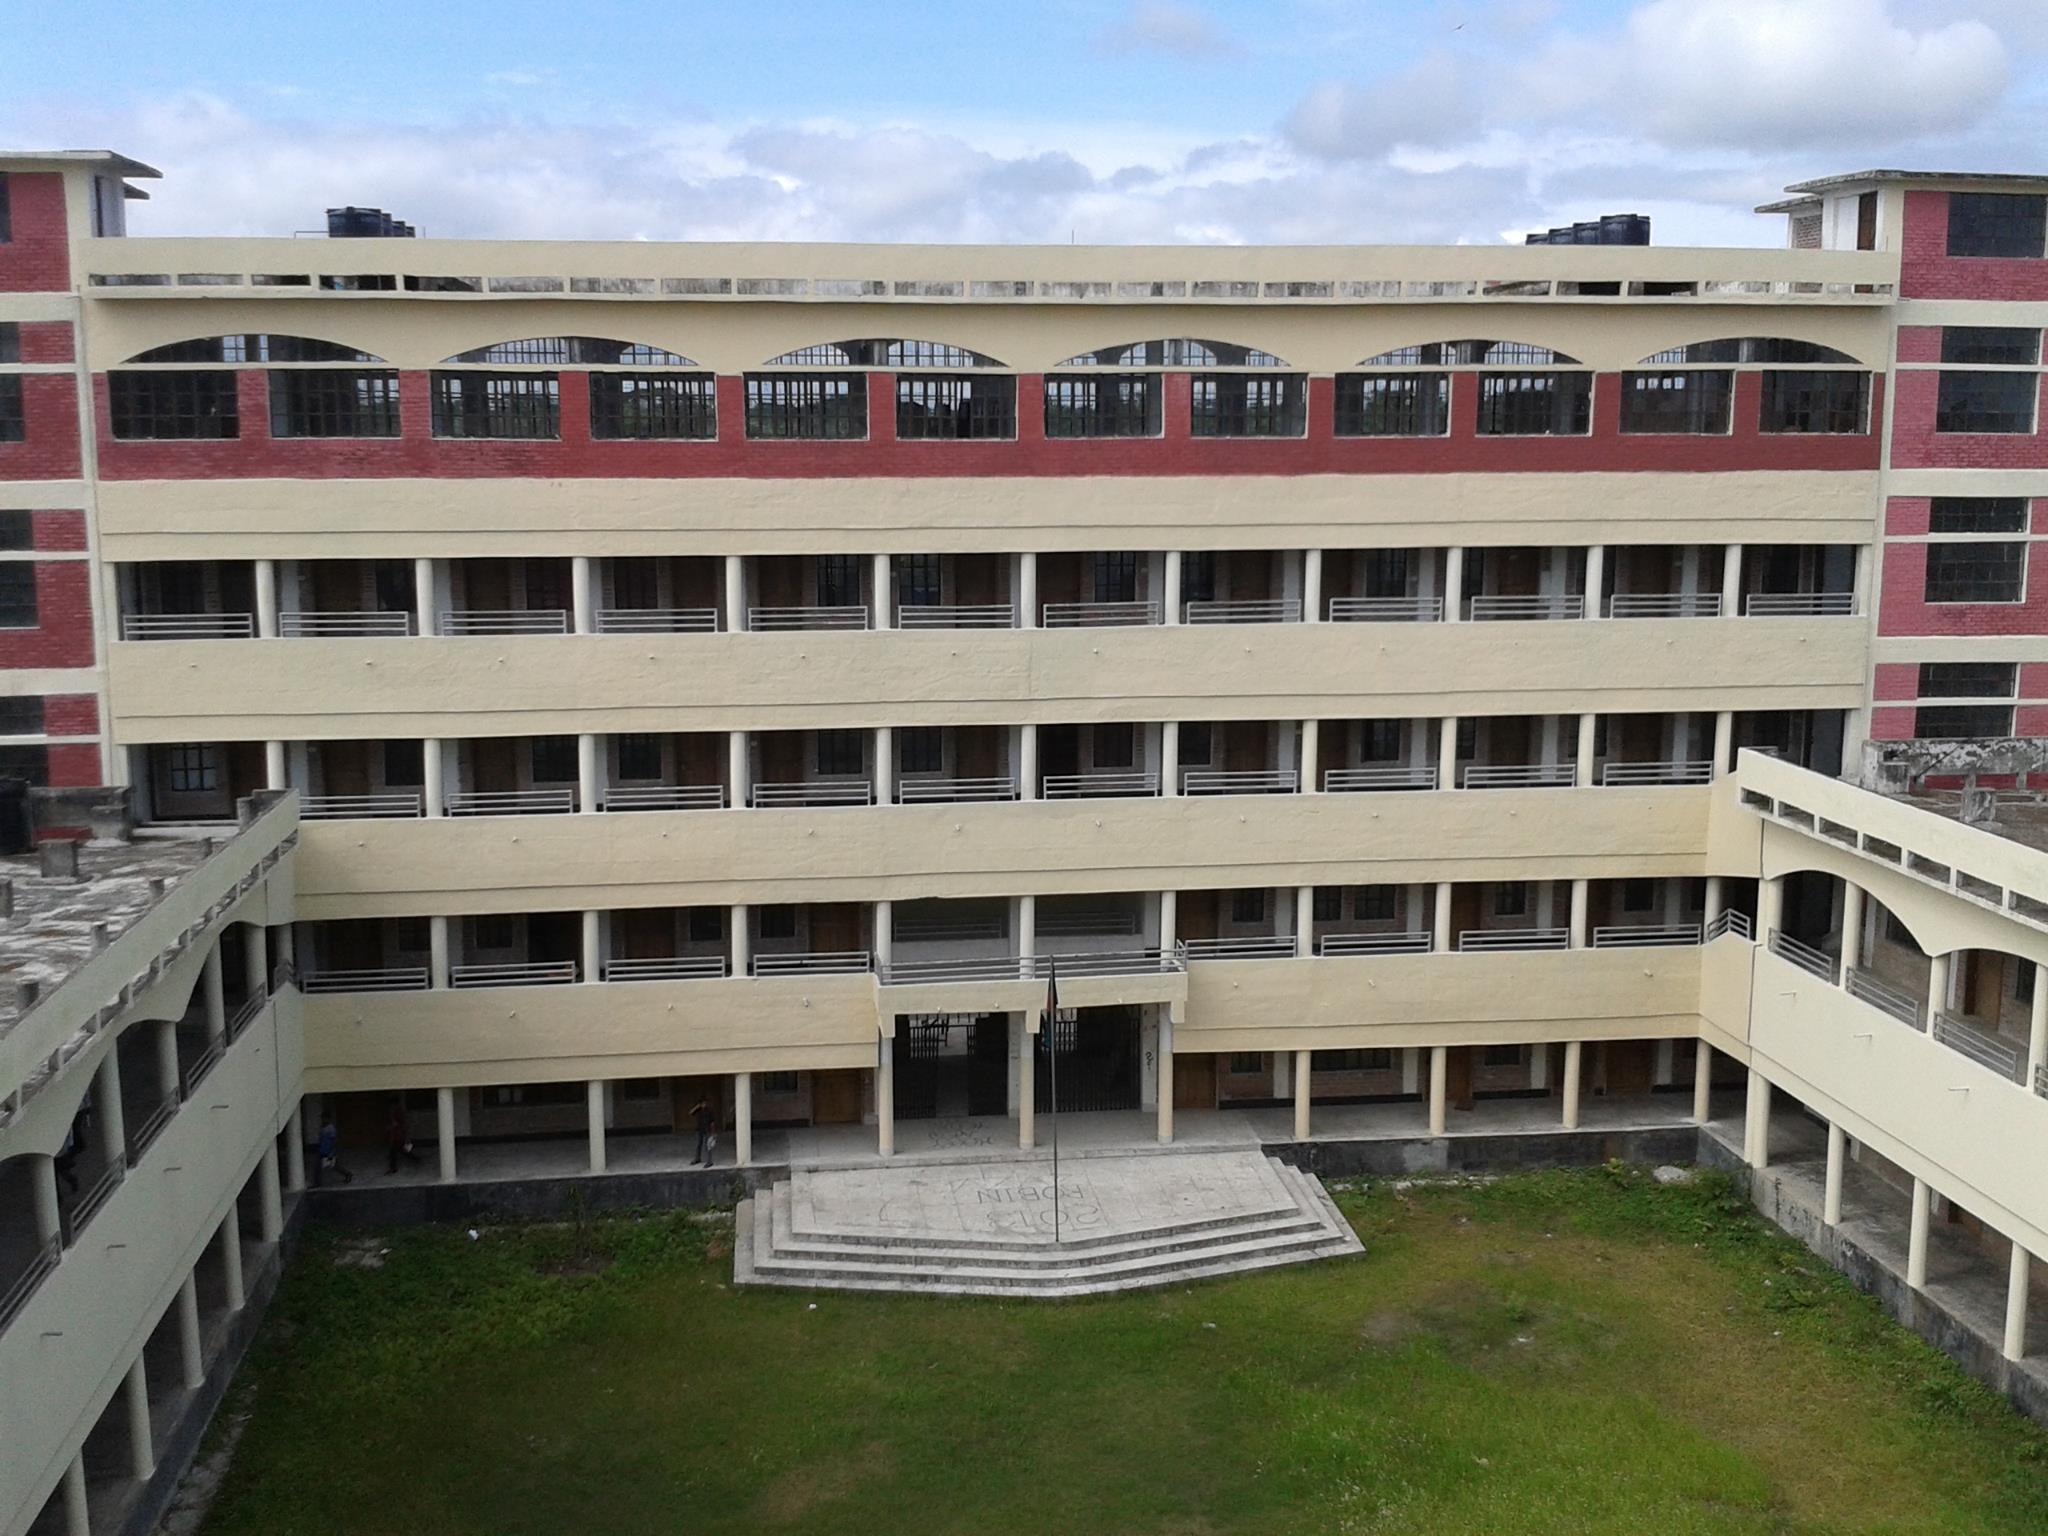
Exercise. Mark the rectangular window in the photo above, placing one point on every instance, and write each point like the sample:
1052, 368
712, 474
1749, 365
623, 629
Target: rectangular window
405, 764
1248, 906
159, 406
1997, 345
497, 405
1102, 405
1535, 404
13, 423
1247, 1063
1638, 895
1976, 573
778, 921
1987, 402
1197, 744
1996, 223
1695, 402
832, 406
962, 406
1374, 903
10, 341
644, 406
192, 769
1353, 1061
841, 753
1393, 404
1947, 721
1510, 899
17, 530
1116, 576
918, 581
1327, 906
1977, 514
334, 402
839, 581
1114, 746
706, 925
923, 749
1198, 576
640, 756
554, 759
18, 608
1379, 741
778, 1082
1249, 405
21, 716
494, 930
1386, 573
1817, 401
1969, 679
31, 764
636, 582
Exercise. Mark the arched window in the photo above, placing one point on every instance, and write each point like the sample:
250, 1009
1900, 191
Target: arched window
1472, 354
1749, 349
561, 351
254, 347
883, 352
1175, 352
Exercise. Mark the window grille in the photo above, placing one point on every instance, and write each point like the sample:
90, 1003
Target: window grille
1996, 224
191, 769
1327, 906
807, 405
1987, 402
1837, 402
569, 351
1116, 576
639, 756
1698, 403
1102, 405
974, 406
919, 582
1375, 903
333, 402
1535, 404
1471, 354
1976, 573
1977, 514
497, 405
1248, 906
1968, 679
841, 753
1175, 352
1510, 898
18, 606
1939, 721
1393, 404
13, 420
1748, 349
1352, 1061
1198, 576
653, 405
1997, 345
1246, 405
923, 749
159, 406
1386, 572
778, 921
255, 347
839, 581
706, 925
554, 759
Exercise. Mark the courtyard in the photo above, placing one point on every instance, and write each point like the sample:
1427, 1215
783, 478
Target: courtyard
1547, 1352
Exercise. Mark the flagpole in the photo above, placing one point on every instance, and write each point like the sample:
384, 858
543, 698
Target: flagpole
1053, 1042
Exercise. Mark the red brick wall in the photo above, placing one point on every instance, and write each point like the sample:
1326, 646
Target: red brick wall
63, 633
57, 530
1904, 610
1916, 445
1920, 343
1895, 724
75, 765
49, 447
418, 454
71, 714
38, 258
1896, 680
46, 341
1927, 271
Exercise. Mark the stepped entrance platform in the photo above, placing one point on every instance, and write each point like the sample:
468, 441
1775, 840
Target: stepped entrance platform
1125, 1220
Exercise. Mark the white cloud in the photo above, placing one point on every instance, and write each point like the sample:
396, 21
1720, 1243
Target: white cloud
1165, 26
1429, 103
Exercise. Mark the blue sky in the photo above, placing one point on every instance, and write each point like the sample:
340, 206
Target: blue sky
1123, 120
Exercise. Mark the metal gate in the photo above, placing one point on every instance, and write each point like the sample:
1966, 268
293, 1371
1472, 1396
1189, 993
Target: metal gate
1098, 1059
932, 1079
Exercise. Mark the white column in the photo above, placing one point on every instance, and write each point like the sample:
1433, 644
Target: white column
1027, 1084
1171, 602
582, 608
587, 772
433, 792
1165, 1075
1574, 1060
1938, 971
270, 1197
229, 1238
742, 941
266, 599
1731, 582
1770, 906
593, 946
1439, 1086
1311, 745
106, 1107
2037, 1027
1442, 938
1596, 578
437, 951
190, 1355
883, 608
1859, 581
1714, 898
738, 770
1302, 1060
426, 610
1027, 762
215, 994
1831, 1197
167, 1077
1304, 920
735, 594
885, 933
255, 960
77, 1515
1169, 757
593, 1115
1588, 737
295, 1148
276, 772
885, 765
1756, 1121
1579, 936
742, 1118
141, 1445
1916, 1238
885, 1097
2016, 1278
444, 1127
1724, 742
48, 1223
1702, 1083
1027, 590
1454, 584
1311, 586
1852, 929
1447, 753
1169, 920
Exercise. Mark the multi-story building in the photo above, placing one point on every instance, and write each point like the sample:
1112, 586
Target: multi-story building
1379, 681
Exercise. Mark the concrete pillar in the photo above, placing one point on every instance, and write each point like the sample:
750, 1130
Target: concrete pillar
1169, 921
735, 596
1724, 742
1447, 753
1027, 590
1304, 920
2016, 1278
742, 1118
593, 1115
1439, 1086
1831, 1198
189, 1352
884, 610
437, 951
1938, 972
742, 941
1169, 757
1852, 929
215, 994
276, 773
270, 1198
266, 599
885, 933
141, 1444
582, 604
295, 1148
1596, 579
738, 770
255, 960
1770, 906
1702, 1083
1731, 582
49, 1224
1756, 1121
1586, 768
1301, 1093
1027, 1085
1716, 898
593, 946
1311, 748
1574, 1058
1165, 1076
107, 1109
77, 1517
1442, 939
1454, 584
589, 772
1579, 934
230, 1239
1312, 586
433, 793
885, 1097
2037, 1027
885, 765
444, 1130
1916, 1239
168, 1083
425, 608
1027, 762
1171, 604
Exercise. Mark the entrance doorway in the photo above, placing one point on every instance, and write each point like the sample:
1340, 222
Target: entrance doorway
952, 1064
1098, 1059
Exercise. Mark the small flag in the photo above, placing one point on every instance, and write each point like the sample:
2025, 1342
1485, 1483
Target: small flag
1052, 987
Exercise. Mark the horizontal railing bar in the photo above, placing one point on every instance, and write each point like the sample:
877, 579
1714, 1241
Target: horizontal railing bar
1690, 771
819, 792
849, 616
1664, 605
504, 621
1568, 605
1514, 938
1799, 604
513, 974
1885, 997
40, 1265
390, 978
665, 968
1250, 947
1073, 615
188, 626
1518, 775
1386, 610
511, 802
956, 616
309, 624
1380, 776
1805, 956
663, 797
828, 962
912, 791
657, 621
1406, 943
1645, 935
360, 807
1265, 610
1082, 786
1205, 781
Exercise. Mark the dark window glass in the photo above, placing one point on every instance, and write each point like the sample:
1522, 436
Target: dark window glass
190, 769
1510, 899
639, 756
653, 405
839, 581
333, 402
1638, 895
841, 752
21, 716
807, 405
1697, 402
1379, 741
1116, 576
778, 921
1821, 401
706, 925
918, 583
923, 749
1247, 1063
494, 930
554, 759
777, 1082
1249, 405
10, 341
1247, 906
962, 406
636, 582
1977, 514
1976, 573
173, 405
1352, 1061
1946, 720
17, 530
29, 763
18, 595
1374, 903
1198, 576
1115, 746
1386, 573
254, 347
1535, 404
2023, 984
1197, 744
1393, 404
1996, 223
1987, 402
405, 764
13, 423
1328, 904
1102, 405
1994, 344
1968, 679
497, 405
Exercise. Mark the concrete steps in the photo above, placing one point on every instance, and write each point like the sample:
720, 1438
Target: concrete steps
1287, 1219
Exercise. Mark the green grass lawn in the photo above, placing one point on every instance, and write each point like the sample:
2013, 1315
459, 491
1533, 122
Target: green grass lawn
1582, 1352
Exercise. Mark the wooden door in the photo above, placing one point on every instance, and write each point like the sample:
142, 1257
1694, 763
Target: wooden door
1195, 915
977, 752
975, 579
493, 765
1458, 1062
782, 757
835, 1097
700, 758
781, 583
1194, 1081
337, 586
1630, 1065
486, 584
835, 927
643, 933
1244, 746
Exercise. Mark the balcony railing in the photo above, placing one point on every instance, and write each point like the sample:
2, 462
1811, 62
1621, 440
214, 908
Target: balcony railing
1482, 940
1386, 610
1250, 781
24, 1285
1099, 785
1411, 942
520, 973
1525, 606
956, 616
1113, 962
245, 1015
819, 792
1080, 615
1379, 776
946, 791
666, 968
386, 978
834, 962
505, 621
1645, 935
1087, 923
1728, 920
948, 930
1518, 775
1886, 998
1805, 956
657, 621
1247, 947
342, 626
773, 620
1664, 605
96, 1194
1262, 610
209, 1058
392, 804
513, 802
1981, 1046
1799, 605
2041, 1080
151, 1126
911, 973
1687, 771
187, 626
663, 797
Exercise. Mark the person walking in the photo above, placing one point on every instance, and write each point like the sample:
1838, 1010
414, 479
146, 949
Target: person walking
327, 1153
707, 1132
397, 1136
